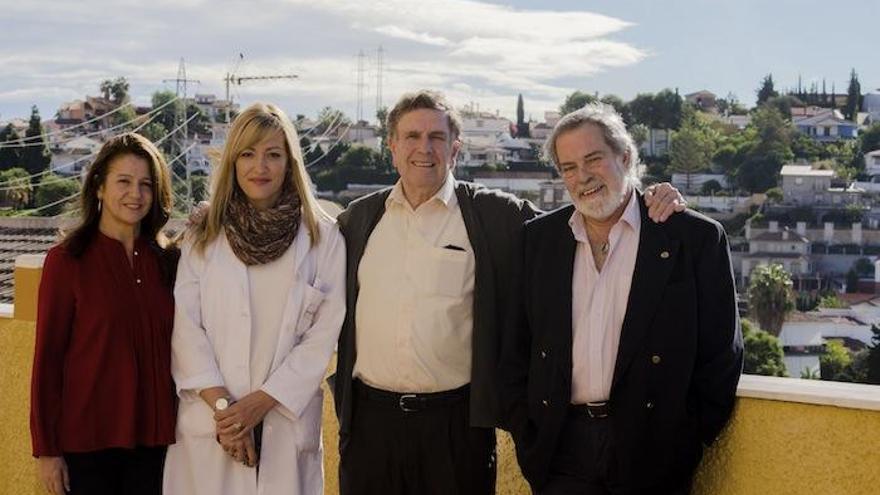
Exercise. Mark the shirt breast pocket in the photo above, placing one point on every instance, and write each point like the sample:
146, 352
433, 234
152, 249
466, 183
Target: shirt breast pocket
446, 271
311, 304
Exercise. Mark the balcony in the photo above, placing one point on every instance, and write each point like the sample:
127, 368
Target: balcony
787, 436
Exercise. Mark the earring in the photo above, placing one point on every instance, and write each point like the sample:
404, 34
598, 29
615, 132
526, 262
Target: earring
99, 204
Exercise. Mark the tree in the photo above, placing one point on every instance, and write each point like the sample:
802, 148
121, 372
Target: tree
167, 117
853, 97
331, 119
766, 91
834, 361
730, 105
783, 104
576, 101
852, 281
10, 152
691, 149
770, 297
17, 188
384, 150
360, 157
770, 149
775, 194
200, 123
619, 106
639, 133
520, 112
52, 190
870, 139
657, 111
668, 105
125, 115
35, 157
762, 352
710, 187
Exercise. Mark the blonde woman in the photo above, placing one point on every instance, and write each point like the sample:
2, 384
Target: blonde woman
259, 304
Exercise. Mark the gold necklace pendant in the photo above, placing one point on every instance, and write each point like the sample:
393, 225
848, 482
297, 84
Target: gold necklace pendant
605, 247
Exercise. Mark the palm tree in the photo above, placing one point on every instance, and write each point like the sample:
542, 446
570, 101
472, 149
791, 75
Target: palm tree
770, 297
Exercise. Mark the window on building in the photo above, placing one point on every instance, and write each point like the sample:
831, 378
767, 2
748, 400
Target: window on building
826, 131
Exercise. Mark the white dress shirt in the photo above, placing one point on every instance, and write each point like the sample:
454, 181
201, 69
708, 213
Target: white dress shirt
599, 301
414, 310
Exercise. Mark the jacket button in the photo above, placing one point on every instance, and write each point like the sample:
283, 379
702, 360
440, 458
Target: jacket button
650, 405
655, 359
543, 354
664, 254
545, 402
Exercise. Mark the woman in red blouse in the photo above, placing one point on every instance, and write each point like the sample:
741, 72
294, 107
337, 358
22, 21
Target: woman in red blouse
102, 397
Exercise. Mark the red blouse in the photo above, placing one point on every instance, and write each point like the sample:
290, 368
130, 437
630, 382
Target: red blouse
102, 362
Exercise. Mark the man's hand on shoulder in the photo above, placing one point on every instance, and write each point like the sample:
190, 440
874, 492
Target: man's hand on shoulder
663, 200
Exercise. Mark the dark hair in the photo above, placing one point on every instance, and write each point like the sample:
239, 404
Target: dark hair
78, 239
423, 99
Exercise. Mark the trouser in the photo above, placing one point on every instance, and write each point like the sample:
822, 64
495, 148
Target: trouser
135, 471
422, 444
585, 462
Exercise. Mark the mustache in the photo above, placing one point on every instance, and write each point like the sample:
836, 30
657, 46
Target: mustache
588, 185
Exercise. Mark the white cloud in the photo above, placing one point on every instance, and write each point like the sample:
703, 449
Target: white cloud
473, 50
405, 34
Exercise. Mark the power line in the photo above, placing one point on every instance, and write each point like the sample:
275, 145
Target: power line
89, 134
83, 158
68, 129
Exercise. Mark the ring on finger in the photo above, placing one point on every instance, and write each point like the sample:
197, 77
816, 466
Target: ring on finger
237, 426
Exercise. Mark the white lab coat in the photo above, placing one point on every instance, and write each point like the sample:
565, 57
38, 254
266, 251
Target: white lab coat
211, 347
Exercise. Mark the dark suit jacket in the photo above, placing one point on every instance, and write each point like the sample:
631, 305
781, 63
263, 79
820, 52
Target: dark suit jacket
678, 362
493, 221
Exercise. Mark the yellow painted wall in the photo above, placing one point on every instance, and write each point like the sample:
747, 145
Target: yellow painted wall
770, 447
27, 283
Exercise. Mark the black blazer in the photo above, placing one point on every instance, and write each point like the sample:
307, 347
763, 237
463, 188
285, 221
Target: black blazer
493, 221
678, 362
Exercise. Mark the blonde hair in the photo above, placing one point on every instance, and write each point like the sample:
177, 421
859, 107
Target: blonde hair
253, 125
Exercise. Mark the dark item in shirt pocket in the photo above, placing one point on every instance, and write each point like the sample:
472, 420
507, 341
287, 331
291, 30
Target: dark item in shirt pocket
454, 248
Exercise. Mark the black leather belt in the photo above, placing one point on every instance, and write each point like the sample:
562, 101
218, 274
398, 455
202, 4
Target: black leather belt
592, 410
411, 402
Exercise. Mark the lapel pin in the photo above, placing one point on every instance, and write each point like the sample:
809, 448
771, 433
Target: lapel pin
664, 254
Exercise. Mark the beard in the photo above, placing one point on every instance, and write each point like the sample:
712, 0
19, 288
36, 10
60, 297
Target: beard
602, 204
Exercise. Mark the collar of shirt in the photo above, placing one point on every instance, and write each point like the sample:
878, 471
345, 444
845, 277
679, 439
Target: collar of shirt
446, 195
631, 216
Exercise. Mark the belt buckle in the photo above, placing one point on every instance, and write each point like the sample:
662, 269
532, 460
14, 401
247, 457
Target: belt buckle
401, 402
593, 415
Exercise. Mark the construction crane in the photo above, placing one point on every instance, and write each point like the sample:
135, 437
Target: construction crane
237, 80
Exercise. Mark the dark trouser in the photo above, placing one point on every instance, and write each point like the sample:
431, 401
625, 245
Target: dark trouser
135, 471
585, 462
429, 451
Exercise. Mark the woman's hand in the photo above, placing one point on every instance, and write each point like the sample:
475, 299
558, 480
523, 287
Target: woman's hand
242, 451
240, 418
53, 474
663, 200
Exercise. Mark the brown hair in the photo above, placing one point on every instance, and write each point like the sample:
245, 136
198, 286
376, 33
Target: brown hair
77, 240
427, 99
256, 123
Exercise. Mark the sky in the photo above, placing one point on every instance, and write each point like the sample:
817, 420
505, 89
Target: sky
481, 53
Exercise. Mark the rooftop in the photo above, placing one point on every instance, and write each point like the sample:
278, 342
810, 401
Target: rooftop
805, 170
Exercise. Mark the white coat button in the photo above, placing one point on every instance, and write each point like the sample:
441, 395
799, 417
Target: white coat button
135, 253
138, 281
543, 354
545, 402
655, 359
650, 405
664, 254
